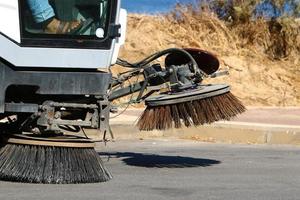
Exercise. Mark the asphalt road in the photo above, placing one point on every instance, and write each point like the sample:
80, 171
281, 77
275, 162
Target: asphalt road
176, 169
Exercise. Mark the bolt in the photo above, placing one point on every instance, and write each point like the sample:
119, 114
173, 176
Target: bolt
57, 115
50, 121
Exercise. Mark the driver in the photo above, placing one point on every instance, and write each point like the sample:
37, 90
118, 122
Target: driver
43, 14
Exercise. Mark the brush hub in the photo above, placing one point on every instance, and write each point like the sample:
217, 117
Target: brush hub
201, 92
56, 141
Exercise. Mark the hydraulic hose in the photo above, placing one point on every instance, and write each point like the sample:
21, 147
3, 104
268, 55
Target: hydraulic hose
143, 63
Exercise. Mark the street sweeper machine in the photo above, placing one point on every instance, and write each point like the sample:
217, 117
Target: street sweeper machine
56, 82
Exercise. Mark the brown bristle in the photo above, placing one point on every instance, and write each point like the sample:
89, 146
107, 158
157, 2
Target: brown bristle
184, 115
192, 113
195, 113
175, 116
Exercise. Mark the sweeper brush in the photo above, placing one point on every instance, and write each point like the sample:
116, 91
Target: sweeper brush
50, 161
204, 105
182, 99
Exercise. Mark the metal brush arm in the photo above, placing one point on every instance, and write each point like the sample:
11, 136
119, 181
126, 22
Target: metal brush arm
219, 73
137, 86
126, 91
125, 77
179, 76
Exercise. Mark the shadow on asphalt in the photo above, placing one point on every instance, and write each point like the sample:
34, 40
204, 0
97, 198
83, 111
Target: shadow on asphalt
160, 161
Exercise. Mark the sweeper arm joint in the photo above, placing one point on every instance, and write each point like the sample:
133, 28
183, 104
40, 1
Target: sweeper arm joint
174, 76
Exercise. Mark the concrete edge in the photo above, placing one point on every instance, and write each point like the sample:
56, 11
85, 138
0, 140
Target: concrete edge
224, 132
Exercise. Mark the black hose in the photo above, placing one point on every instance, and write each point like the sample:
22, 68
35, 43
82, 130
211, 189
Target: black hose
143, 63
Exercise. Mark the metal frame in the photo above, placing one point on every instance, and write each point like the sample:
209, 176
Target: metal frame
53, 83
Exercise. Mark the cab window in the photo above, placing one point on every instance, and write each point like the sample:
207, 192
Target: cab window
56, 21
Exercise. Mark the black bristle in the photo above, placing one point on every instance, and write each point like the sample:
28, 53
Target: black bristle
51, 165
193, 113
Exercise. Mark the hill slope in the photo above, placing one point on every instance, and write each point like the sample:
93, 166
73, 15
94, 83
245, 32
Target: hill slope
264, 64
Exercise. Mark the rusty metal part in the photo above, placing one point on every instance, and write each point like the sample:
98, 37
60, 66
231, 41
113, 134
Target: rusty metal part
205, 60
202, 92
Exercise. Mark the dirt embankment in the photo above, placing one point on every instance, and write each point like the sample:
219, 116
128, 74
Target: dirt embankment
250, 52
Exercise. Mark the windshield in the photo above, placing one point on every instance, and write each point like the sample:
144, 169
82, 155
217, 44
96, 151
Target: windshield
82, 19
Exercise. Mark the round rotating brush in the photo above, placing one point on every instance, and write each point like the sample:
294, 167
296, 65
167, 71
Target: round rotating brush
187, 101
193, 107
50, 161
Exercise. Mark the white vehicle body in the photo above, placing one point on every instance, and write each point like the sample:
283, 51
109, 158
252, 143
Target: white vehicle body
13, 51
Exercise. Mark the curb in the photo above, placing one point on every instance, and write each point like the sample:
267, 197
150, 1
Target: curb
220, 132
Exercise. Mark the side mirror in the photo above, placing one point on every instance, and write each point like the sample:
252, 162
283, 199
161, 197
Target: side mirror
123, 22
121, 40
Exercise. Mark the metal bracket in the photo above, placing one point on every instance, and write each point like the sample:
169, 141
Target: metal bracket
104, 108
97, 116
114, 30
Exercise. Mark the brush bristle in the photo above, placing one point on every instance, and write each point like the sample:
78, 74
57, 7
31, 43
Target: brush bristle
51, 165
195, 113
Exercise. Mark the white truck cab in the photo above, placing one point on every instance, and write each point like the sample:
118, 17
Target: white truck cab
24, 43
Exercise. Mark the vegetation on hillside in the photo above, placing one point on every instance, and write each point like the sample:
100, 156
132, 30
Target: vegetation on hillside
271, 24
262, 53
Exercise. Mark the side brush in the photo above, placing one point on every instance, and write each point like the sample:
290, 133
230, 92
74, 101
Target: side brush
181, 98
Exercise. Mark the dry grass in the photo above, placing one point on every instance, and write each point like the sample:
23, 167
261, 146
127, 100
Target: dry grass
263, 57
